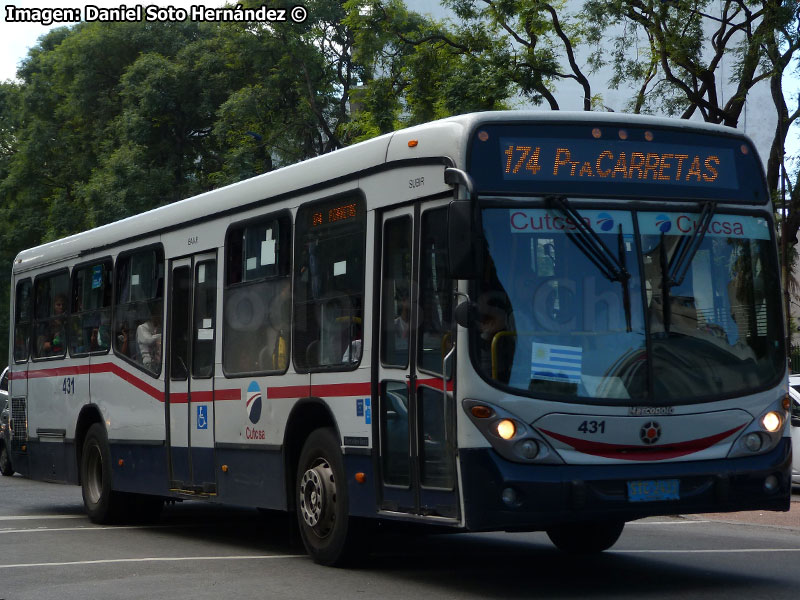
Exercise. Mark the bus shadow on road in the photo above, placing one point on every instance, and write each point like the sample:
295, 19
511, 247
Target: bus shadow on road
475, 565
492, 565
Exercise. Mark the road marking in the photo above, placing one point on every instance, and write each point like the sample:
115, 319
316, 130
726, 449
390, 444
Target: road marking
150, 559
34, 517
692, 522
710, 551
88, 528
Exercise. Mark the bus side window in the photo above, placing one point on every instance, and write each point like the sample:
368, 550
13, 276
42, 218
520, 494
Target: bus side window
138, 308
22, 321
90, 320
51, 294
257, 297
329, 284
436, 298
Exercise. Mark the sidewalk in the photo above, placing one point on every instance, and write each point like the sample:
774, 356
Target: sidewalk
789, 519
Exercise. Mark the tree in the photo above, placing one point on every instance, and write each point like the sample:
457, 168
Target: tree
414, 69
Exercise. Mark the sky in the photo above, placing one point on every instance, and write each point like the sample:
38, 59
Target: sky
16, 38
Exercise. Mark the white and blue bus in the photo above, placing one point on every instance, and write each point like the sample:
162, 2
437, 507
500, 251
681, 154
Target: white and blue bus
498, 321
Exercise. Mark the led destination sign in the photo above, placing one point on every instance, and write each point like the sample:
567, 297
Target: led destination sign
616, 161
525, 158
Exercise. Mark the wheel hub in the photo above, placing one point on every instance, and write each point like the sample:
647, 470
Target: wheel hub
94, 475
318, 497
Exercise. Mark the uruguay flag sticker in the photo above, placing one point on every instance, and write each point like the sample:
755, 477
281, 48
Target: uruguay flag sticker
254, 402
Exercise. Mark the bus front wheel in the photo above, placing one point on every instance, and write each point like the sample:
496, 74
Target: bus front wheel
586, 538
322, 500
103, 505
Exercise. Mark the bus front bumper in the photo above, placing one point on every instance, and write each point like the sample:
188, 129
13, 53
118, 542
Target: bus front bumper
502, 495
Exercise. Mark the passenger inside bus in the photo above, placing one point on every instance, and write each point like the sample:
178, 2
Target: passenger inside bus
148, 339
52, 337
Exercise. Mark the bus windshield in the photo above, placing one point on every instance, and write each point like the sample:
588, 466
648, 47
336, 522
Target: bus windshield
553, 323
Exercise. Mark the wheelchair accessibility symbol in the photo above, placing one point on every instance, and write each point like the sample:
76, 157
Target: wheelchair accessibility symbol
202, 417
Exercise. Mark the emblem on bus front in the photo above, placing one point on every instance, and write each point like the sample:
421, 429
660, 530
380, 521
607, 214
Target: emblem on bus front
253, 402
650, 432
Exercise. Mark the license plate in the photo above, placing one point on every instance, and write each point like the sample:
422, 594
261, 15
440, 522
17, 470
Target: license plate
653, 490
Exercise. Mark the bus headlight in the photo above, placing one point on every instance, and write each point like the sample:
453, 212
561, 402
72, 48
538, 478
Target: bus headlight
509, 435
772, 421
528, 449
753, 442
762, 435
506, 429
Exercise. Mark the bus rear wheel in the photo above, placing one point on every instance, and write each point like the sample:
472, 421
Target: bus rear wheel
103, 505
322, 501
586, 538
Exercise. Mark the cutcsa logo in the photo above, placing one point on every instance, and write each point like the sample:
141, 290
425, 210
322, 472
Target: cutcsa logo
605, 221
663, 223
253, 402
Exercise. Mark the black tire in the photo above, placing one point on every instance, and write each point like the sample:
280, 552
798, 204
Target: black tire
586, 538
103, 505
321, 498
6, 468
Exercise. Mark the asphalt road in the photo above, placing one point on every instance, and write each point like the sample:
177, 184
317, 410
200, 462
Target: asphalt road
48, 549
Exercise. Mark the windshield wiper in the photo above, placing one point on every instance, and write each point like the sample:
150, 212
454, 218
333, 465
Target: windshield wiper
688, 245
674, 273
586, 239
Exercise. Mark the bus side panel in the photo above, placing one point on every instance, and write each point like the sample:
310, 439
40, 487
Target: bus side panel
51, 460
249, 425
55, 397
348, 396
140, 467
362, 498
254, 476
131, 404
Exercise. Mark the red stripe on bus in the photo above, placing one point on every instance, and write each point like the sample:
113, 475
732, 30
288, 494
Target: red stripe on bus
327, 390
58, 372
234, 394
338, 390
145, 387
322, 390
289, 391
627, 452
153, 392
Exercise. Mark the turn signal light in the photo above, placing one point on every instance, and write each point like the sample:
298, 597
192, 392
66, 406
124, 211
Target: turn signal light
481, 412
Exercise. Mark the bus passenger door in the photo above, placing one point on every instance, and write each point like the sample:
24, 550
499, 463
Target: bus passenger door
190, 373
416, 411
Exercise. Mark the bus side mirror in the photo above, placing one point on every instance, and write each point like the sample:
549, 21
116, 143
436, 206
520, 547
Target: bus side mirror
465, 313
463, 241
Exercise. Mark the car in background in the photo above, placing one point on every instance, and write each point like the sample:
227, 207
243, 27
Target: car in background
794, 382
6, 468
795, 418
